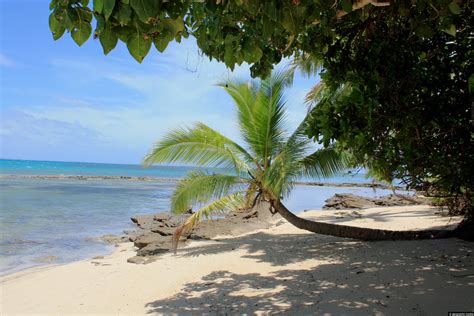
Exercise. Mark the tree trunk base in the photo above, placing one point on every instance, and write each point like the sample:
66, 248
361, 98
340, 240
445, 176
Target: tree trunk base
368, 234
465, 230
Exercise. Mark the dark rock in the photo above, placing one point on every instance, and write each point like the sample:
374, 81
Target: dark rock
164, 231
143, 221
156, 231
350, 201
137, 260
152, 250
149, 238
112, 239
159, 247
162, 217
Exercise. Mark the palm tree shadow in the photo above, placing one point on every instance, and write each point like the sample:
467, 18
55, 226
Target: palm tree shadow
352, 277
264, 247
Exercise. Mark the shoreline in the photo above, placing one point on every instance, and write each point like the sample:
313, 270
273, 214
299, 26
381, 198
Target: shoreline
278, 269
145, 227
174, 180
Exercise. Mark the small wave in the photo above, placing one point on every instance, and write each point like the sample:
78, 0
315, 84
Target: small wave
87, 177
21, 242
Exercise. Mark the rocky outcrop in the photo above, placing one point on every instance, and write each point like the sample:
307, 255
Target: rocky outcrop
351, 201
154, 233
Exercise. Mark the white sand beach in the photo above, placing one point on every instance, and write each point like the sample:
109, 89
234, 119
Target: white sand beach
281, 269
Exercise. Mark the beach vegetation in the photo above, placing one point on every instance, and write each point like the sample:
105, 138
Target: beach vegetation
401, 104
264, 168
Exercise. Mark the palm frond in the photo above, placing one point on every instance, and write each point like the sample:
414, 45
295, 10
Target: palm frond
199, 187
325, 163
245, 99
261, 114
283, 171
307, 64
315, 95
285, 167
271, 114
223, 205
200, 145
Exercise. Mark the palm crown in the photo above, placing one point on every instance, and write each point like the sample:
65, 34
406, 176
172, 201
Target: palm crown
265, 168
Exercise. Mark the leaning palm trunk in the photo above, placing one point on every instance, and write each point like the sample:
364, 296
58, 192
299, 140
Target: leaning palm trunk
356, 232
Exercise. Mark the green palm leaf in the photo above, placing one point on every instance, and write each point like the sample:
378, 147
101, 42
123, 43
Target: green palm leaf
261, 114
199, 187
283, 171
199, 145
222, 205
325, 163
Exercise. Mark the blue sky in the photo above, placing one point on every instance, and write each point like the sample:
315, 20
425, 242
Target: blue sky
68, 103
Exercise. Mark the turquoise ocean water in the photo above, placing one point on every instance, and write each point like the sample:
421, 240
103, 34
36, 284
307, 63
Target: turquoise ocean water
58, 217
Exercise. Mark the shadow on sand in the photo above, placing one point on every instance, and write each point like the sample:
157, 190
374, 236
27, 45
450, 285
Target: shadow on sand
351, 278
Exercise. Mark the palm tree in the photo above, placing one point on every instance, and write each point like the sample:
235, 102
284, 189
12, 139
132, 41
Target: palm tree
265, 169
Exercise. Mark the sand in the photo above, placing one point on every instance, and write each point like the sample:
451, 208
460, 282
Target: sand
281, 269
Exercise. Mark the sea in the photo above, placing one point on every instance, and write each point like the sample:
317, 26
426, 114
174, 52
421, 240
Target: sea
49, 216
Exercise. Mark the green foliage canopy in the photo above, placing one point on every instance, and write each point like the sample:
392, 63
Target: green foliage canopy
402, 103
260, 33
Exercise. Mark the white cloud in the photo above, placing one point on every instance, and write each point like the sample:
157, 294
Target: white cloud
6, 62
127, 106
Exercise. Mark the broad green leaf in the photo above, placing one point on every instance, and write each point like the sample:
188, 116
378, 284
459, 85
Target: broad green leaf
347, 5
124, 32
108, 8
268, 27
454, 8
124, 13
451, 30
53, 4
86, 15
157, 28
108, 39
84, 3
161, 43
252, 52
173, 26
270, 10
81, 33
72, 18
126, 1
138, 46
229, 57
471, 83
54, 24
100, 22
424, 31
98, 6
288, 21
57, 35
145, 9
